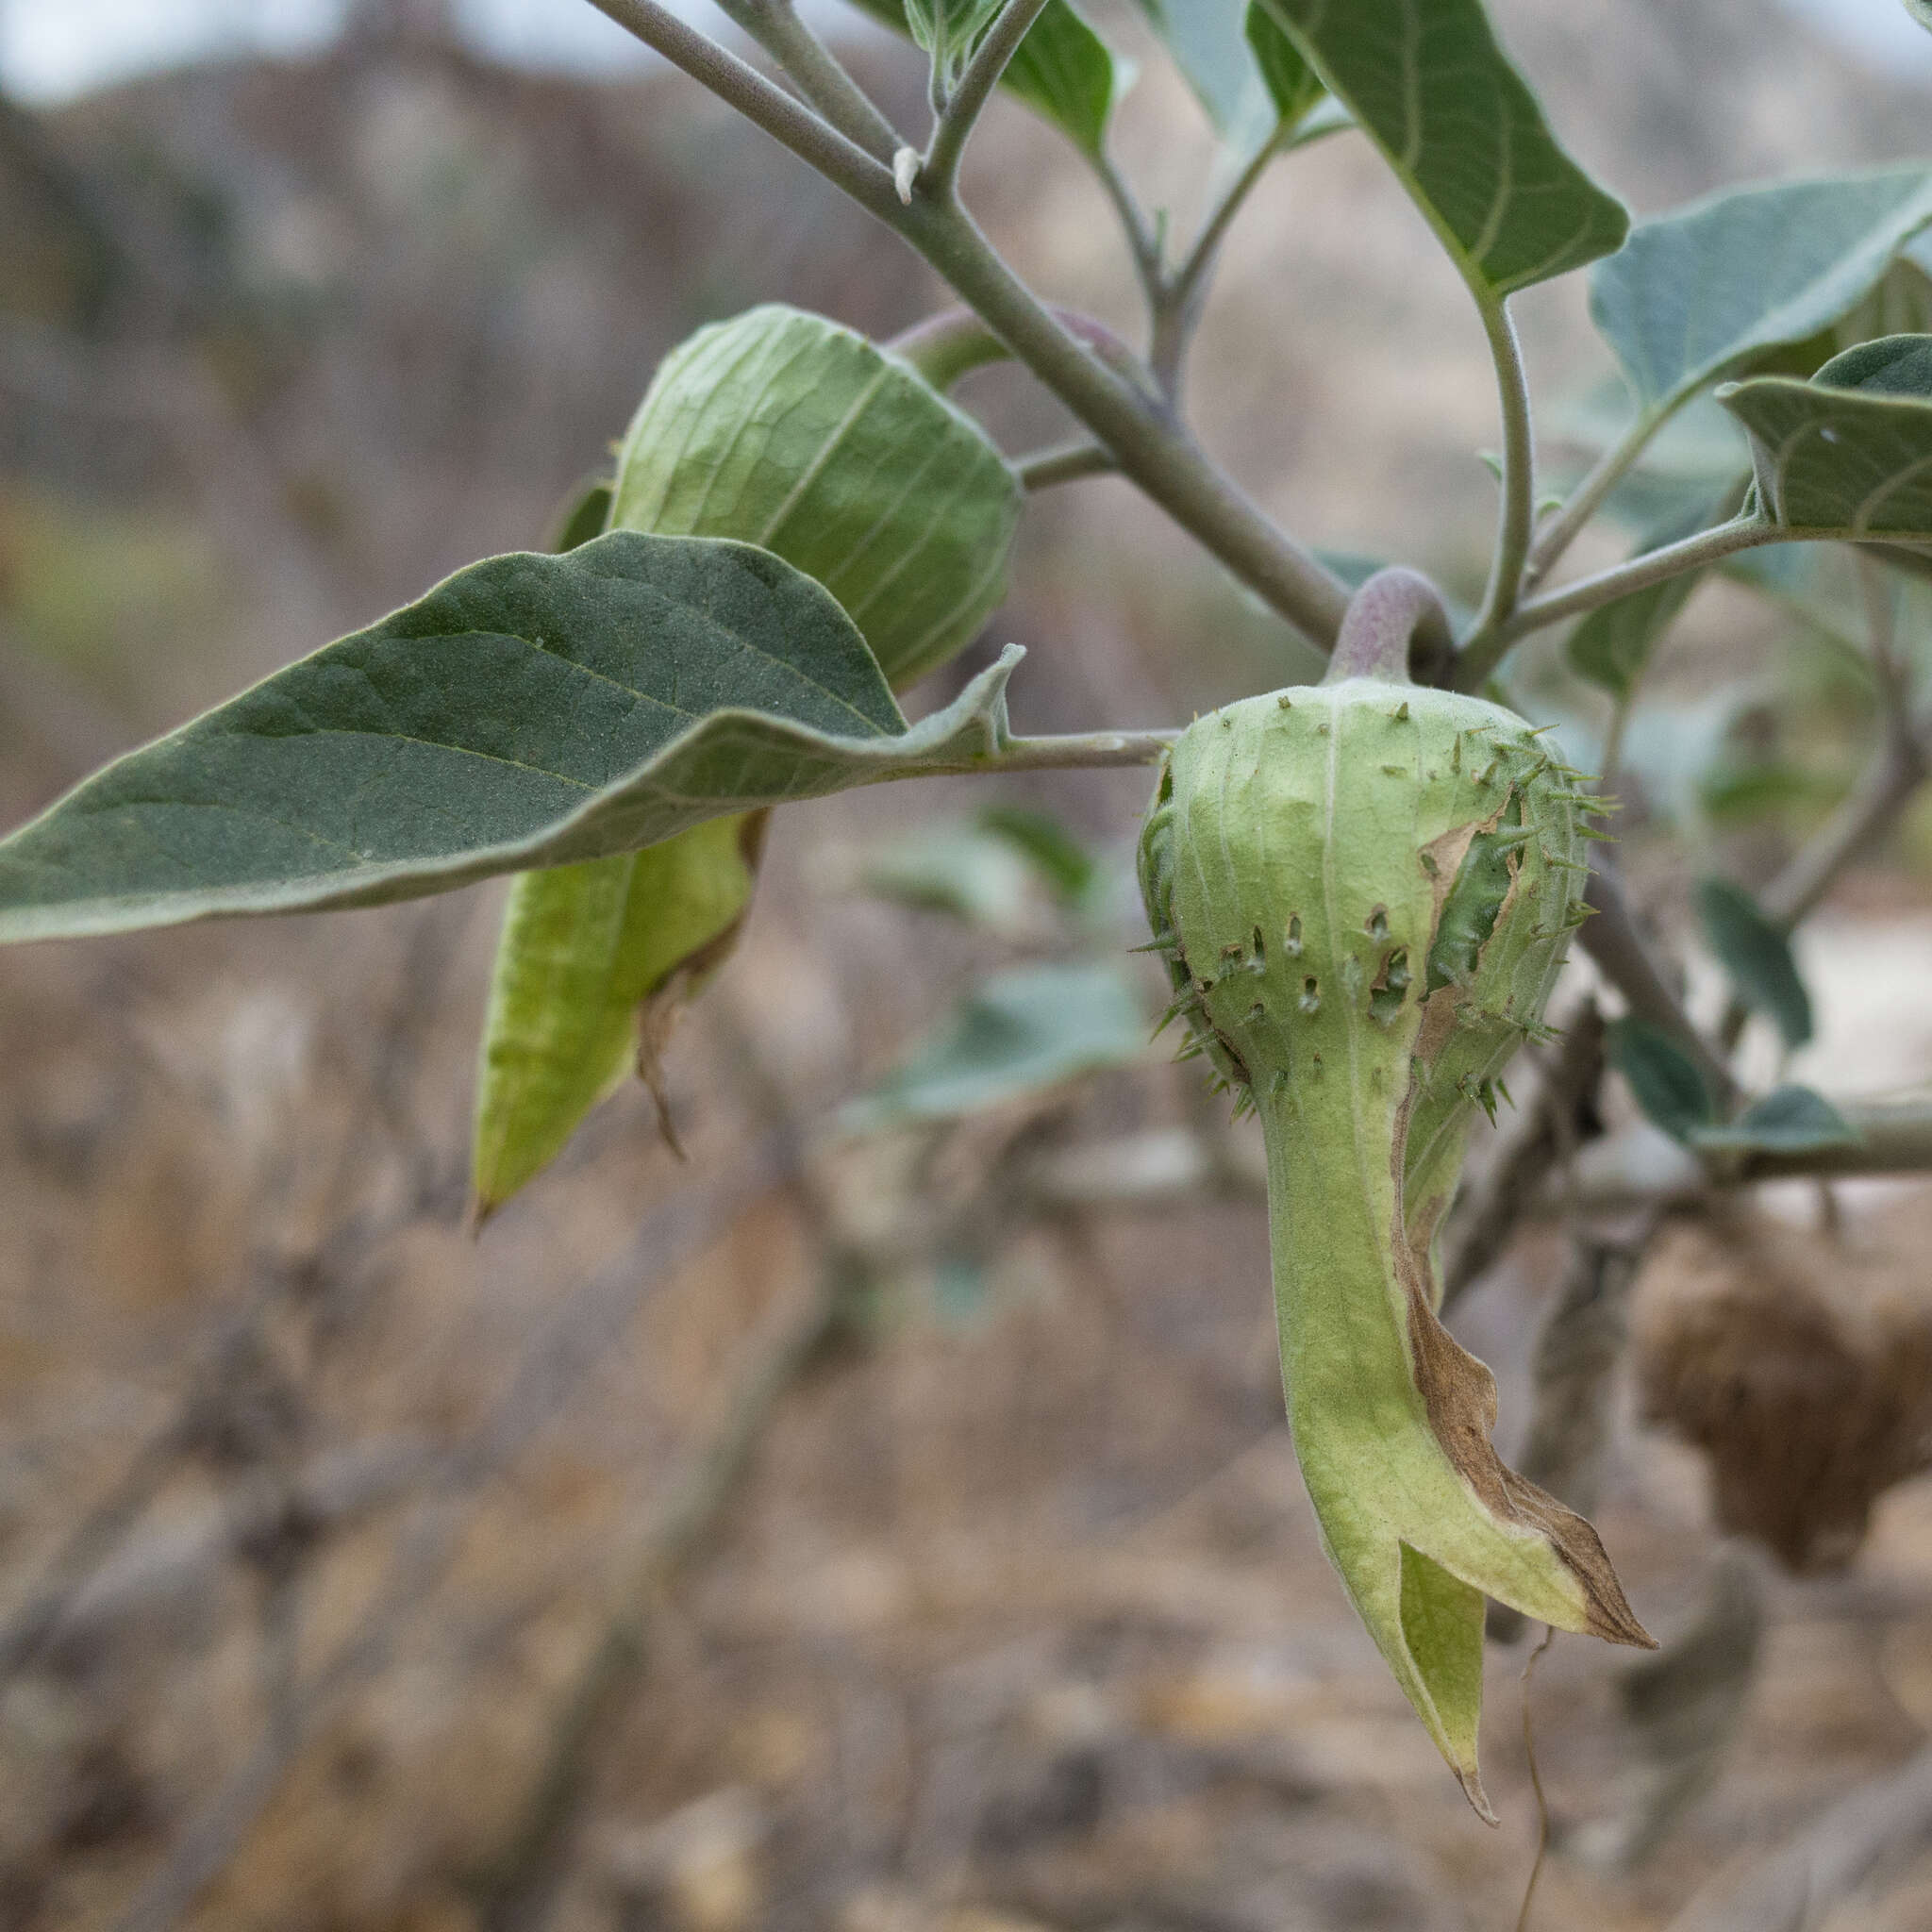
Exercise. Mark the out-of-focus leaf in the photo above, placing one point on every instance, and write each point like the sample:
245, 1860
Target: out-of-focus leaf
583, 948
1756, 955
1428, 84
1054, 853
530, 710
1019, 1033
1063, 71
1661, 1075
1886, 366
1789, 1120
1209, 44
585, 515
1921, 11
1612, 644
1815, 581
1837, 462
962, 871
785, 430
1704, 293
1292, 85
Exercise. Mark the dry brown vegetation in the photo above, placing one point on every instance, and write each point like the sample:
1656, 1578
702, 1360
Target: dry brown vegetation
690, 1552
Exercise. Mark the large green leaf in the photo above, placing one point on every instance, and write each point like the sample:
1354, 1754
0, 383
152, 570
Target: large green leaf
584, 947
530, 710
1017, 1033
785, 431
1455, 120
1707, 291
1063, 70
1837, 462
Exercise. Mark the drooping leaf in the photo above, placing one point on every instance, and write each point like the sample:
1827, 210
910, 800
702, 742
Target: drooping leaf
780, 427
1707, 291
1757, 955
1662, 1077
530, 710
1063, 70
1017, 1033
1789, 1120
1427, 82
1209, 44
1837, 462
785, 430
584, 947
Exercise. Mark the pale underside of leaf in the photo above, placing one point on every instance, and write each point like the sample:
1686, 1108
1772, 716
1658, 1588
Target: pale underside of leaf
1696, 295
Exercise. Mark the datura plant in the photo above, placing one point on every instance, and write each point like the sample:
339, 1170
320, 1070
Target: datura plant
1362, 889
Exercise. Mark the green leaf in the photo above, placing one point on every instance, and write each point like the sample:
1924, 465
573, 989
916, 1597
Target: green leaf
1428, 84
584, 947
1292, 85
1789, 1120
530, 710
1063, 71
1921, 11
1209, 42
1837, 462
1017, 1034
1886, 366
1662, 1077
1612, 644
1757, 955
1705, 293
785, 430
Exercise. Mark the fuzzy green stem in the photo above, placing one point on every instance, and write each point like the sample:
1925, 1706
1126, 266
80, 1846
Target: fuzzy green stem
1151, 448
1669, 561
1517, 514
940, 170
1587, 497
815, 71
1071, 463
1380, 623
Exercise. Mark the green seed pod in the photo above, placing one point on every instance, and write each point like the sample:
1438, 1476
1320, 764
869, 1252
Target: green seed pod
783, 430
1363, 890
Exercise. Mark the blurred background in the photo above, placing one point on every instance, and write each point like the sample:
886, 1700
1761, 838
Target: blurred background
883, 1520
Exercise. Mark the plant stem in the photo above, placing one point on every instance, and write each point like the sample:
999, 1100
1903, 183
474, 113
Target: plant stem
1073, 751
1516, 515
1148, 266
956, 342
1671, 560
1585, 501
1151, 448
1048, 468
940, 171
775, 26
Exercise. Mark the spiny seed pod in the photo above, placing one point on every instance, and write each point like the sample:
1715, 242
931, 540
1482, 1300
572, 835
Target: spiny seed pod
1363, 890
